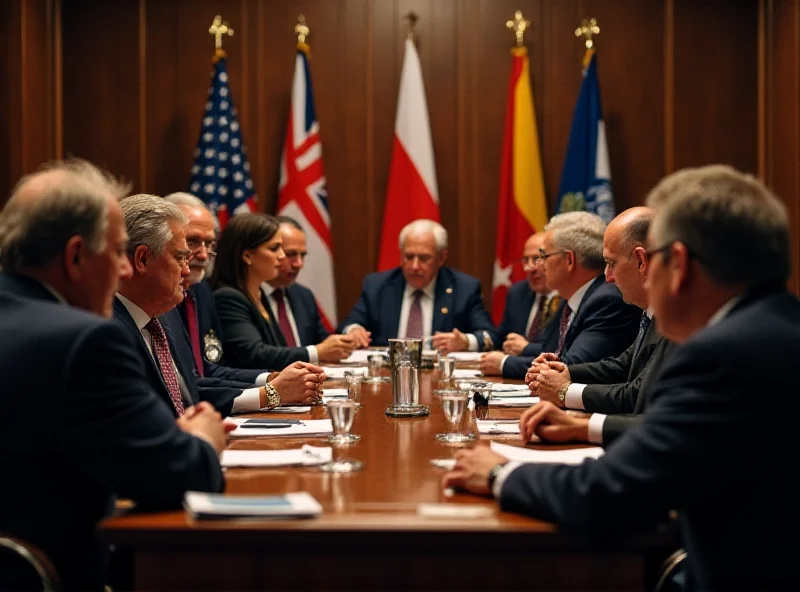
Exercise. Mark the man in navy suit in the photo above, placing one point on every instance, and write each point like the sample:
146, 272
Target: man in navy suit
79, 417
593, 322
293, 308
421, 299
530, 305
708, 447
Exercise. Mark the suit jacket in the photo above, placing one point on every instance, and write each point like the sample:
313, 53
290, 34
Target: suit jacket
79, 417
250, 341
603, 326
703, 438
209, 326
613, 385
217, 392
519, 301
457, 304
306, 316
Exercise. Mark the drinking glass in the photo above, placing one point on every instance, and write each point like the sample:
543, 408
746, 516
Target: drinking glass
454, 404
342, 414
354, 388
446, 366
375, 363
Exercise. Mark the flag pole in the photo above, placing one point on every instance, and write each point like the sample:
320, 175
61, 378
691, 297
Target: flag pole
587, 29
412, 18
219, 29
302, 31
518, 25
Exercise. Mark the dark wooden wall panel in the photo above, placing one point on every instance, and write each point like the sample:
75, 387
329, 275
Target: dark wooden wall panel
135, 75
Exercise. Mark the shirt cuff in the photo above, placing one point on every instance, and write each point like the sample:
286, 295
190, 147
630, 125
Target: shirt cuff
509, 468
502, 363
249, 400
473, 342
313, 356
596, 422
574, 398
261, 379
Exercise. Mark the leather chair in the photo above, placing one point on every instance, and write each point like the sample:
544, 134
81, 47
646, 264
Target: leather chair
24, 567
671, 568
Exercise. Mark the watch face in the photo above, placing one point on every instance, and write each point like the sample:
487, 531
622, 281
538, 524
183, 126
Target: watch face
212, 347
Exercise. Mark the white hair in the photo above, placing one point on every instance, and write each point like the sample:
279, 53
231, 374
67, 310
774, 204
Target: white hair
181, 198
147, 219
581, 233
424, 226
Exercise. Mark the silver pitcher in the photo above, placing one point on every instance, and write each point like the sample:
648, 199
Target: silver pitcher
405, 359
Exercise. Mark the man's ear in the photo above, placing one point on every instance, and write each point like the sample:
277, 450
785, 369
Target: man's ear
641, 259
74, 253
680, 264
141, 258
570, 260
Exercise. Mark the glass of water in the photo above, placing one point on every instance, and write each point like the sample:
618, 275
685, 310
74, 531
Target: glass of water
342, 413
375, 363
353, 382
446, 366
454, 404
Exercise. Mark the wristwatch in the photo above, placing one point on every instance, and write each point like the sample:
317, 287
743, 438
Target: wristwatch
493, 472
562, 394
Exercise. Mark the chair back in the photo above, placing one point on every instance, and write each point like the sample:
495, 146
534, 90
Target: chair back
24, 566
671, 577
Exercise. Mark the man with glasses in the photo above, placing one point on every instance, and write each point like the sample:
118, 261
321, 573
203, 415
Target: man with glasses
422, 298
718, 445
293, 307
594, 322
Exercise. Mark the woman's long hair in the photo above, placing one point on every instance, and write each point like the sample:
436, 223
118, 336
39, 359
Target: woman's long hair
243, 232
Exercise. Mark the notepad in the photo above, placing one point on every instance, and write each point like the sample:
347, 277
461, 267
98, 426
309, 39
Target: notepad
203, 506
306, 427
304, 456
573, 456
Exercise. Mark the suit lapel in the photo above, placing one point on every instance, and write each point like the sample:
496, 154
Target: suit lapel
443, 303
575, 325
390, 302
524, 309
298, 312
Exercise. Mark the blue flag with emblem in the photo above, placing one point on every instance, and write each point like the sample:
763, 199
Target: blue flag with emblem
586, 177
221, 173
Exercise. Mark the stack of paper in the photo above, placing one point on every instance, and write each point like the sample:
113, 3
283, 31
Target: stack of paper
498, 427
338, 372
573, 456
218, 506
249, 428
305, 456
511, 390
465, 356
332, 394
465, 373
524, 402
361, 356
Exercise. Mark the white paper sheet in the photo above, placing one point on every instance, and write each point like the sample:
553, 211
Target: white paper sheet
523, 402
216, 506
305, 456
465, 373
290, 409
573, 456
491, 427
511, 390
308, 427
362, 356
333, 394
338, 372
465, 356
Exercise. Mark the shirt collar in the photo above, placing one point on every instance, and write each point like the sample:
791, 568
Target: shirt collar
723, 311
575, 300
429, 290
267, 289
140, 317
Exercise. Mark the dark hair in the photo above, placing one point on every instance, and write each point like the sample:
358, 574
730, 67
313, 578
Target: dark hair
290, 221
243, 232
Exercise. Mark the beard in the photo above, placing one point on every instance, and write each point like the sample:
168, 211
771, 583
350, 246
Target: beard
196, 274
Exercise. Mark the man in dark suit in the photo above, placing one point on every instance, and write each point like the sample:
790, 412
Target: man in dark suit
703, 436
594, 322
608, 389
530, 306
79, 417
293, 308
421, 299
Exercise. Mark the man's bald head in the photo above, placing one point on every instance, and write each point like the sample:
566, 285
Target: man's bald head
624, 251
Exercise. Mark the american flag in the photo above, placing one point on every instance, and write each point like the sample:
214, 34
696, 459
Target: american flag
302, 193
221, 173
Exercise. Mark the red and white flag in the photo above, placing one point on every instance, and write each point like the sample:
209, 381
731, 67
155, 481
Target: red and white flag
302, 193
412, 192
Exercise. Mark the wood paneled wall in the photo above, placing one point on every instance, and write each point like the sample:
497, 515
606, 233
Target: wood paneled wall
683, 82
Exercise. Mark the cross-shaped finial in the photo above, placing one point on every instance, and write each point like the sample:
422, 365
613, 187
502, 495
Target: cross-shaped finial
412, 19
586, 30
518, 25
301, 29
218, 29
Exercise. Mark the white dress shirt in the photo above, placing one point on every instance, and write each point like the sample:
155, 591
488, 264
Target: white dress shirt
538, 301
313, 356
248, 400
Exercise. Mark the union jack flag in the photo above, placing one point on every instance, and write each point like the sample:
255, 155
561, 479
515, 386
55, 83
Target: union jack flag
221, 173
302, 192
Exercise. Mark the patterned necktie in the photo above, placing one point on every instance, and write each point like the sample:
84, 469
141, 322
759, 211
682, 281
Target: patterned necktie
190, 311
562, 328
414, 324
644, 325
164, 359
536, 323
283, 319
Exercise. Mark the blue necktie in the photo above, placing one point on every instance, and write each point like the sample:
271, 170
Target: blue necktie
644, 325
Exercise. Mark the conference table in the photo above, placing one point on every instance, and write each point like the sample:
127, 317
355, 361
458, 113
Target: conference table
370, 536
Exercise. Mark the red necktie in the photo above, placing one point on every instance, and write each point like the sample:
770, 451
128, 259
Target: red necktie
164, 359
194, 331
562, 329
283, 319
414, 323
536, 323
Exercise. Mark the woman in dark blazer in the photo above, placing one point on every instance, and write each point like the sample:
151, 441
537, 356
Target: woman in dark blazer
249, 253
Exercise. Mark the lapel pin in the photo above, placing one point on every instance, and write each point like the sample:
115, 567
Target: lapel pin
448, 291
444, 310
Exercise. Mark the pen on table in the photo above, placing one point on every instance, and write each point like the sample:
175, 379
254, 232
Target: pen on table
265, 426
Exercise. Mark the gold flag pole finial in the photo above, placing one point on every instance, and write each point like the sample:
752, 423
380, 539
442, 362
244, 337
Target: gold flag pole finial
218, 29
586, 30
518, 25
301, 28
412, 19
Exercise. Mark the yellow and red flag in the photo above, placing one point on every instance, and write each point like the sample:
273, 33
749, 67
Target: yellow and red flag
522, 206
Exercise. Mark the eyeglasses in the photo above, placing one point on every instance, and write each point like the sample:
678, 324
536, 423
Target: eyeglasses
531, 260
540, 258
650, 253
195, 244
183, 257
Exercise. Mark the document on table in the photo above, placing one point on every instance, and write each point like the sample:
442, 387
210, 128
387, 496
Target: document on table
292, 427
219, 506
290, 409
294, 457
499, 427
465, 356
511, 390
332, 394
465, 373
338, 372
362, 356
573, 456
502, 401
